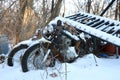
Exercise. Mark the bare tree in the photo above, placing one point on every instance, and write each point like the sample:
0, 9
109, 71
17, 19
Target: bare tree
27, 27
116, 10
52, 6
23, 4
119, 9
7, 19
56, 11
97, 7
88, 6
19, 20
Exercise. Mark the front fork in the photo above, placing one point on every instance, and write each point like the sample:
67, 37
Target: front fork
46, 56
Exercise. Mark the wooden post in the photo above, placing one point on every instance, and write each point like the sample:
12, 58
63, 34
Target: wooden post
117, 50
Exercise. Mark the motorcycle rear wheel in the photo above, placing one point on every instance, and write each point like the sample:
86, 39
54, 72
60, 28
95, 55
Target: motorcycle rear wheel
15, 51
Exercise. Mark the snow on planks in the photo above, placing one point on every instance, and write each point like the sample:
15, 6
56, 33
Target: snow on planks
100, 27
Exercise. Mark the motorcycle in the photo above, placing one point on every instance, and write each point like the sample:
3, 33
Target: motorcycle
56, 44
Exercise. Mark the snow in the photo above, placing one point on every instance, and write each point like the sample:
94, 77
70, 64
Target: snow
82, 69
92, 31
85, 68
31, 42
73, 36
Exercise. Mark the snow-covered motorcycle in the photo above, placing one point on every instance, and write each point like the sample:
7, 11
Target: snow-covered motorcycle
57, 44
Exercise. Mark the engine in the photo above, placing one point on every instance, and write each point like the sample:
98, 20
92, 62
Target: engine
61, 38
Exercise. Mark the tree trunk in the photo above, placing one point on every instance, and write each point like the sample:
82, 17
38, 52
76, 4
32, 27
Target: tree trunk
56, 11
23, 4
27, 28
116, 11
119, 8
89, 6
44, 14
52, 6
23, 31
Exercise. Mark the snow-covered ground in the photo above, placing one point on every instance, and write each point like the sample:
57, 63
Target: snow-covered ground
82, 69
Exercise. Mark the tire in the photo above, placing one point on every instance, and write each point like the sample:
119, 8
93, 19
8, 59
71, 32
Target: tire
33, 57
13, 52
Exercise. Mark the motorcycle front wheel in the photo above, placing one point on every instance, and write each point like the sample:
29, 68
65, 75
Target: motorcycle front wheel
34, 56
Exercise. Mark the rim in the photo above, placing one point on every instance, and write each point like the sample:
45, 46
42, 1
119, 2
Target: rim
35, 59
